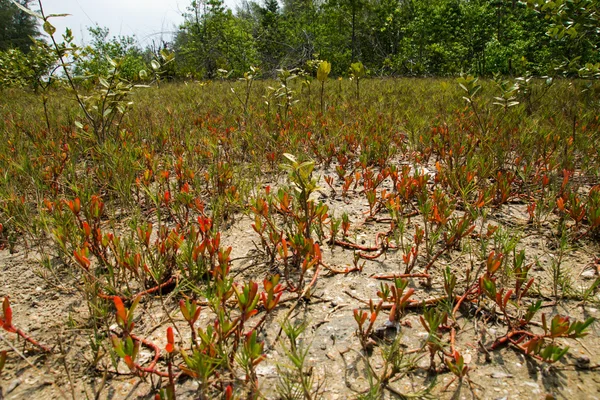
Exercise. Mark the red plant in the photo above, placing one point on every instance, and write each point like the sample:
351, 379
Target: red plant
7, 324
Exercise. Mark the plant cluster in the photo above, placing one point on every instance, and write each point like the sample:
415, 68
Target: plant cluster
134, 205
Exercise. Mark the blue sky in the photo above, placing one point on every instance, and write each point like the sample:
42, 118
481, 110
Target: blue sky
145, 19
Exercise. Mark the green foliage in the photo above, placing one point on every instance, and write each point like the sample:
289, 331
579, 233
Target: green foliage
417, 37
26, 70
96, 59
18, 29
212, 38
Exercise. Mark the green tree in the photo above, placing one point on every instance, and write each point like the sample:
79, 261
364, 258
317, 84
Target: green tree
212, 38
17, 28
95, 58
18, 69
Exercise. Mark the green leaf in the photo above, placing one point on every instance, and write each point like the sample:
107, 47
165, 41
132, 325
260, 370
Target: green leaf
27, 10
49, 28
323, 71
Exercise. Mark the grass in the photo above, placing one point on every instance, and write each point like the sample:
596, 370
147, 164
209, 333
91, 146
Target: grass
143, 215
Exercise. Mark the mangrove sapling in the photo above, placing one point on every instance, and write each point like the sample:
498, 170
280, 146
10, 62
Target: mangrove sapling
284, 93
357, 72
322, 73
107, 104
248, 80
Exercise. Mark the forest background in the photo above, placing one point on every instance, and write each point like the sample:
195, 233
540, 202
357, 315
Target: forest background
390, 37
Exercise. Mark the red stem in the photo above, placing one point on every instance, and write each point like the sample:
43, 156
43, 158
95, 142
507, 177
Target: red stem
31, 340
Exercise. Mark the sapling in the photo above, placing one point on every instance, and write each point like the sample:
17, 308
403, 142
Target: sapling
322, 73
357, 72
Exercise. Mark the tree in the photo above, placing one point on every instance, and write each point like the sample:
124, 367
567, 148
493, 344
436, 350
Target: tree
576, 24
94, 59
31, 70
270, 36
16, 26
212, 38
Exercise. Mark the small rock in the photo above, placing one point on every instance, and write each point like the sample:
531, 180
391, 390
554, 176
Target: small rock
588, 274
500, 375
467, 358
583, 362
13, 385
535, 386
267, 370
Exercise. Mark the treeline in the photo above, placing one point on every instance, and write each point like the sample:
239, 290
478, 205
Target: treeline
390, 37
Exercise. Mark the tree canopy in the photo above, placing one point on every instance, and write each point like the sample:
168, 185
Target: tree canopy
389, 37
16, 26
403, 37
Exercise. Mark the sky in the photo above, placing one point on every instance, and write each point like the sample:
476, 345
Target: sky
145, 19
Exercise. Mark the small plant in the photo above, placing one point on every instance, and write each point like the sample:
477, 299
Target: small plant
158, 66
432, 320
248, 80
322, 73
357, 72
7, 324
366, 324
303, 184
284, 93
296, 378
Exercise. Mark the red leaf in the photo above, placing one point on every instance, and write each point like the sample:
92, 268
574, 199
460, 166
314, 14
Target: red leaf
7, 321
121, 312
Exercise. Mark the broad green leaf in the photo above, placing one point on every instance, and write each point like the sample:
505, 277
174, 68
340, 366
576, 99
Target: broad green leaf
49, 28
27, 10
323, 71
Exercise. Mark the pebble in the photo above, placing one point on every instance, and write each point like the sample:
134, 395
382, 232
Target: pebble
267, 370
535, 386
13, 385
588, 274
500, 375
583, 362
